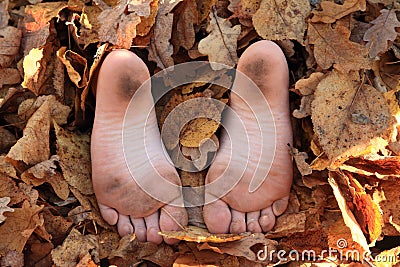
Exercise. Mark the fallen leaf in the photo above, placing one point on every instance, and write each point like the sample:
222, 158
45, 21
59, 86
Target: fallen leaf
382, 31
57, 226
186, 17
74, 153
338, 97
287, 224
7, 168
161, 50
200, 235
37, 24
280, 20
75, 246
221, 43
307, 86
108, 241
300, 159
117, 25
76, 66
3, 208
35, 64
18, 227
7, 140
4, 16
203, 9
243, 9
331, 11
13, 258
8, 188
124, 245
147, 22
90, 25
333, 47
348, 217
9, 76
10, 40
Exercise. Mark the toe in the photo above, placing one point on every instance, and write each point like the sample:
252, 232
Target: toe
252, 222
217, 217
124, 225
279, 206
153, 228
267, 219
238, 224
110, 215
173, 219
140, 229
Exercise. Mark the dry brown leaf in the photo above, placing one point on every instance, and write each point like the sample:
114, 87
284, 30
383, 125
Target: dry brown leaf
300, 159
8, 188
108, 241
57, 226
349, 117
287, 224
221, 43
35, 65
90, 25
7, 140
36, 23
13, 259
332, 11
333, 47
4, 15
34, 146
4, 201
147, 22
243, 9
76, 66
161, 50
7, 168
46, 172
307, 86
382, 166
9, 45
242, 247
203, 9
382, 32
74, 153
186, 17
19, 225
118, 26
75, 246
9, 76
196, 234
348, 217
280, 20
123, 247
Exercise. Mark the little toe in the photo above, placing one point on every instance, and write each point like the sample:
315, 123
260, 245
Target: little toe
279, 206
124, 225
217, 217
238, 224
140, 229
252, 222
173, 219
110, 215
267, 219
153, 228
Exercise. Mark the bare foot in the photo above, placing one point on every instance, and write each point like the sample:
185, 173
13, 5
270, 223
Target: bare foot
243, 208
121, 200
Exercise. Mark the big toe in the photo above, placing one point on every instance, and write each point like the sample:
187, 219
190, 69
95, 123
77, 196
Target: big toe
280, 205
173, 219
217, 217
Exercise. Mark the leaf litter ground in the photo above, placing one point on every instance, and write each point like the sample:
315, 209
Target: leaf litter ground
344, 60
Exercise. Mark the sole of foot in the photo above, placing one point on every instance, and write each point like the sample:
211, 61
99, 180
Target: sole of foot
242, 209
121, 200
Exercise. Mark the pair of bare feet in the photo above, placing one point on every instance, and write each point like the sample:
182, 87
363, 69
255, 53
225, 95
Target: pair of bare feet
124, 203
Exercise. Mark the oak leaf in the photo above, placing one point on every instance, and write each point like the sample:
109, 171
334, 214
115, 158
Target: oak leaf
348, 116
382, 31
74, 153
280, 19
118, 26
3, 208
18, 227
221, 43
332, 11
333, 47
76, 245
